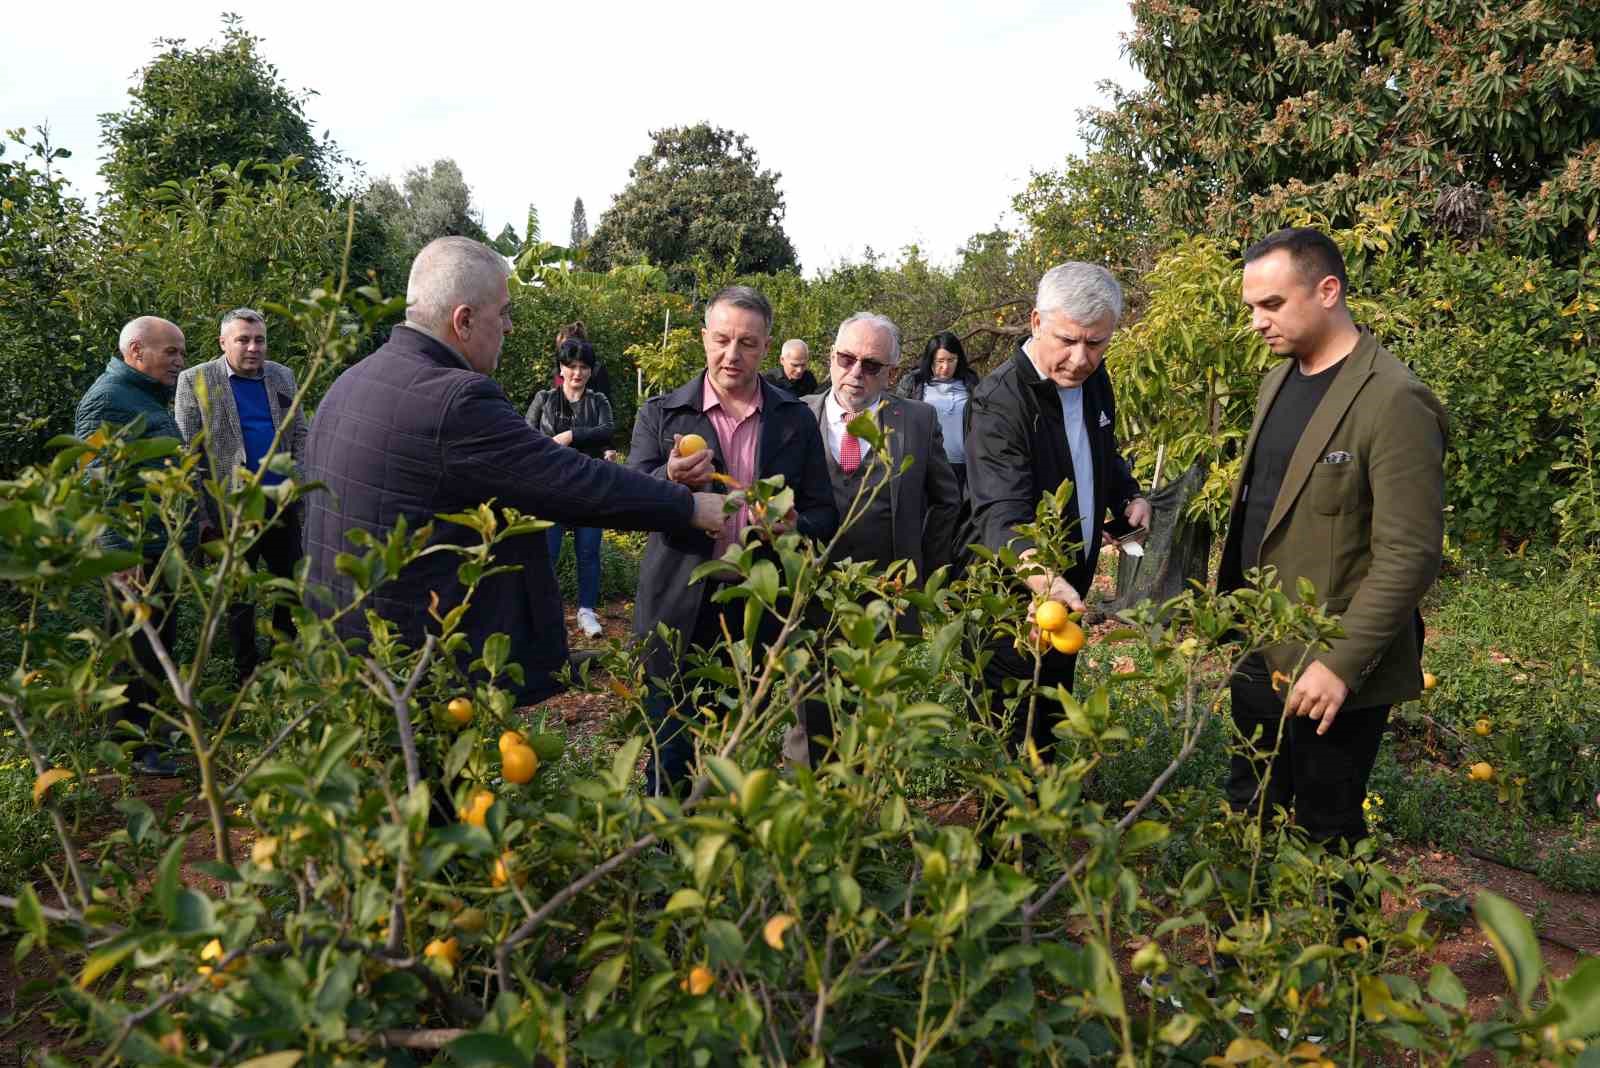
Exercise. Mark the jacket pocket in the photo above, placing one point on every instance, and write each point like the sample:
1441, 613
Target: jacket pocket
1337, 489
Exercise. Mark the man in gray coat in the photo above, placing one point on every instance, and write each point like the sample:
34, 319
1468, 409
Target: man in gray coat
247, 402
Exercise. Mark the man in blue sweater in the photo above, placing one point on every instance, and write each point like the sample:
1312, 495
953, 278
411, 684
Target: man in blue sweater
246, 416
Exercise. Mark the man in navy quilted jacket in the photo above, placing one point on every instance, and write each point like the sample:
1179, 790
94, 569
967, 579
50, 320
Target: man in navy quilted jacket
419, 428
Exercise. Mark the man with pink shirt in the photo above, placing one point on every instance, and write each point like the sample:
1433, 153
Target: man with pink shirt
752, 430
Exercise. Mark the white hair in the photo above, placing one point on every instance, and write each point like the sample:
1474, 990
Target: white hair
139, 330
450, 272
1084, 292
794, 343
882, 322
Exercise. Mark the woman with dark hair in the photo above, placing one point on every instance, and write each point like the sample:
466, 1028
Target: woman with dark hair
600, 382
945, 380
579, 417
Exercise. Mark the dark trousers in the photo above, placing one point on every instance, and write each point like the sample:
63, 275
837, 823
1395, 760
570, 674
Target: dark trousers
1056, 669
1321, 779
141, 692
674, 748
278, 550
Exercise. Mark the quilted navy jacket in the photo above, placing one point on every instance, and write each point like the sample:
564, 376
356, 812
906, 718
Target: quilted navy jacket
411, 432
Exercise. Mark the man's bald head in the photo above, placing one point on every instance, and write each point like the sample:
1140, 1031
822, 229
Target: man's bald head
793, 358
457, 292
153, 346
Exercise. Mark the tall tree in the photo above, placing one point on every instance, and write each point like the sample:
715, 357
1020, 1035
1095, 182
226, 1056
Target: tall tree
431, 201
219, 103
580, 224
1474, 118
699, 193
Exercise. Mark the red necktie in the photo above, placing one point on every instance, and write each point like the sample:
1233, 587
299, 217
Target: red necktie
849, 449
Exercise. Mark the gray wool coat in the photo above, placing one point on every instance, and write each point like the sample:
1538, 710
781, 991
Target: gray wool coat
220, 417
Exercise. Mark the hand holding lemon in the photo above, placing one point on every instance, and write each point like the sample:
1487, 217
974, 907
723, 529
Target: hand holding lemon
690, 462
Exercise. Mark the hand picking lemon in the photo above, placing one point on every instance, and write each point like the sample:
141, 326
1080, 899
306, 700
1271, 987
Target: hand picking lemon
1050, 616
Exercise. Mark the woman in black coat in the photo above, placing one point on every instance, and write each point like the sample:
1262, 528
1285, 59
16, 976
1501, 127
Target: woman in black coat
575, 415
945, 380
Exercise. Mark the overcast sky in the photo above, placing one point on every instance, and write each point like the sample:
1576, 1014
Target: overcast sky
890, 123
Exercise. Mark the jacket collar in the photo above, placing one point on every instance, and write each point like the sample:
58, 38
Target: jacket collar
690, 393
412, 338
129, 375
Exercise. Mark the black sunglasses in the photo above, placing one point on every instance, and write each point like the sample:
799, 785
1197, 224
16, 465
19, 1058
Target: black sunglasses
868, 367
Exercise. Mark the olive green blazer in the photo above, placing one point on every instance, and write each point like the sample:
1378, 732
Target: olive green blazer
1361, 516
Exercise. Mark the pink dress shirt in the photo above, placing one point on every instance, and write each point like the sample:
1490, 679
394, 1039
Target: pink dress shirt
738, 439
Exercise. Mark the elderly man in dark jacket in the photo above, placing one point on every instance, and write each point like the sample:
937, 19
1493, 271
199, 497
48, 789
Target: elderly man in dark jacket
138, 383
419, 428
752, 430
1045, 416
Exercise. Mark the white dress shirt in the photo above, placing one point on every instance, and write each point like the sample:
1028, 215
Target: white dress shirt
834, 421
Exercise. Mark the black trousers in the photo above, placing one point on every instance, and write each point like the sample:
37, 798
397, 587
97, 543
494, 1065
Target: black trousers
278, 550
674, 752
1056, 669
1321, 779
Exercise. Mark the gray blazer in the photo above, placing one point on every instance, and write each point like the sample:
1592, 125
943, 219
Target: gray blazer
926, 499
225, 440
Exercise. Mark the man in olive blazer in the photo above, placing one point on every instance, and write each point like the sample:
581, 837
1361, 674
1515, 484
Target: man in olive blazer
1343, 486
922, 502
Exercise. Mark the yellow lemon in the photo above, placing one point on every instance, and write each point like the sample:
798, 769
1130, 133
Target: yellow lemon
1482, 728
447, 950
1069, 639
518, 764
511, 738
772, 932
459, 711
1482, 771
1429, 680
477, 809
698, 981
690, 444
1051, 616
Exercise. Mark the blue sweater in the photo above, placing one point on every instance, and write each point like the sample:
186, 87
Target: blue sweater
255, 422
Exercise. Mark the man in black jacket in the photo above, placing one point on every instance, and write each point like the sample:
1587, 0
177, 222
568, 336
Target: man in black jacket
419, 428
793, 372
1045, 416
752, 430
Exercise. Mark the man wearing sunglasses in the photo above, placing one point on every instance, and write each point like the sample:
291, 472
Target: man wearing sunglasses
913, 518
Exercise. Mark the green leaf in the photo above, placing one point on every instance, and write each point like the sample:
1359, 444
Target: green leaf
624, 762
602, 981
1579, 995
102, 961
1511, 934
725, 943
727, 773
548, 746
847, 892
460, 752
764, 580
485, 1051
685, 900
167, 882
1143, 835
1445, 988
30, 915
193, 913
705, 857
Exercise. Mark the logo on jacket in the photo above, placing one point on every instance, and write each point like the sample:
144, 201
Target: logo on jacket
1105, 420
1340, 457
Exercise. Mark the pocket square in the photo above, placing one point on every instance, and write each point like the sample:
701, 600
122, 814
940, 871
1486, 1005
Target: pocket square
1105, 420
1340, 457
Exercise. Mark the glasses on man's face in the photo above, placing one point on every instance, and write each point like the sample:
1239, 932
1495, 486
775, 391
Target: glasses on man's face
869, 368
